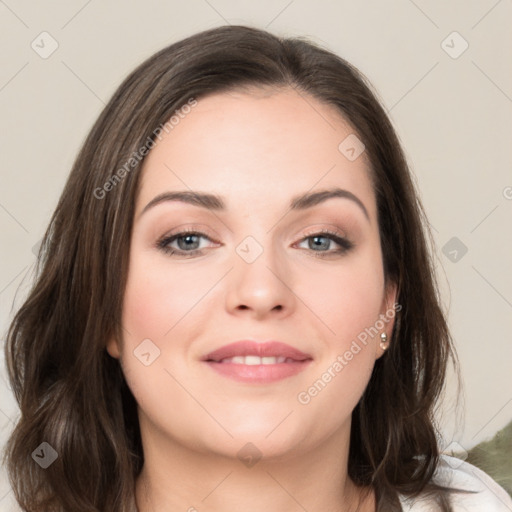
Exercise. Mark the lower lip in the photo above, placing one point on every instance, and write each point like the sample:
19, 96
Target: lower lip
259, 373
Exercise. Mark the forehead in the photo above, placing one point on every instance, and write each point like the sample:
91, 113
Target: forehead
255, 145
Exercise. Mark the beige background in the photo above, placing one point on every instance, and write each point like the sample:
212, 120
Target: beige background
452, 112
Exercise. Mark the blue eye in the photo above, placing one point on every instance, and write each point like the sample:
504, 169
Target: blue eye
315, 241
188, 244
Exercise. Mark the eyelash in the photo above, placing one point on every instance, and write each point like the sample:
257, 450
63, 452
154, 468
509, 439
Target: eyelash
345, 245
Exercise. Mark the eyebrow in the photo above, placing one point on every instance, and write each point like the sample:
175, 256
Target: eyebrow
217, 203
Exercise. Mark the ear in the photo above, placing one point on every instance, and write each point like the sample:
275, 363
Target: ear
388, 312
113, 348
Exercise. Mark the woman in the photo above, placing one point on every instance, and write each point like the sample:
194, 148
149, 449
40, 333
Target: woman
200, 340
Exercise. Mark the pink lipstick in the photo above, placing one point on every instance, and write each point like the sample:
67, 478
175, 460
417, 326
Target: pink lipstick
253, 362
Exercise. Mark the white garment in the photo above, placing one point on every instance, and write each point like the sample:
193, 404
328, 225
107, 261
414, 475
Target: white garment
453, 472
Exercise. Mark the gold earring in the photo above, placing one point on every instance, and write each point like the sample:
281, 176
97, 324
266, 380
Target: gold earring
384, 341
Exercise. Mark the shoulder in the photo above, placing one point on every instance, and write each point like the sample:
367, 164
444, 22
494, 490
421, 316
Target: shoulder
486, 494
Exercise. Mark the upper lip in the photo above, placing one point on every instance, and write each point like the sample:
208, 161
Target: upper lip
261, 349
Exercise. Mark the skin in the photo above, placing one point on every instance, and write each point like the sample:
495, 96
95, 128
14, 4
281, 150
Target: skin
258, 149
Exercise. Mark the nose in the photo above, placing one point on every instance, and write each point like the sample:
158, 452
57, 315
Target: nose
261, 288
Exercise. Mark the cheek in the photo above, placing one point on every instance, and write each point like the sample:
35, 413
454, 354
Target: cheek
158, 297
164, 308
346, 298
348, 309
156, 304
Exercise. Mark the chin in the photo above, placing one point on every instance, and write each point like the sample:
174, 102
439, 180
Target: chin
274, 435
250, 449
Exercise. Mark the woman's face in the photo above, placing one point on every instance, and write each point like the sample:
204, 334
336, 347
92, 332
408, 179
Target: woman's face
260, 268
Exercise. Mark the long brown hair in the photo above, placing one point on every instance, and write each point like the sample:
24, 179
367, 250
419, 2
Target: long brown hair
73, 395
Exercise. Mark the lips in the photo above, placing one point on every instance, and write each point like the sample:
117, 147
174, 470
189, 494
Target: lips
257, 363
247, 348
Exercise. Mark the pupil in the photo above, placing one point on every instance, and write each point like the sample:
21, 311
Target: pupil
188, 238
316, 238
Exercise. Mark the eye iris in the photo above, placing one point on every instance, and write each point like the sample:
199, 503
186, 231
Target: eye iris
187, 237
324, 245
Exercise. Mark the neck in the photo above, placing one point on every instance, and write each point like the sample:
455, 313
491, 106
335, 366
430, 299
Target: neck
177, 478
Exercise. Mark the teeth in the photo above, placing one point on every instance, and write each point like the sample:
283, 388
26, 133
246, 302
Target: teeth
254, 360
